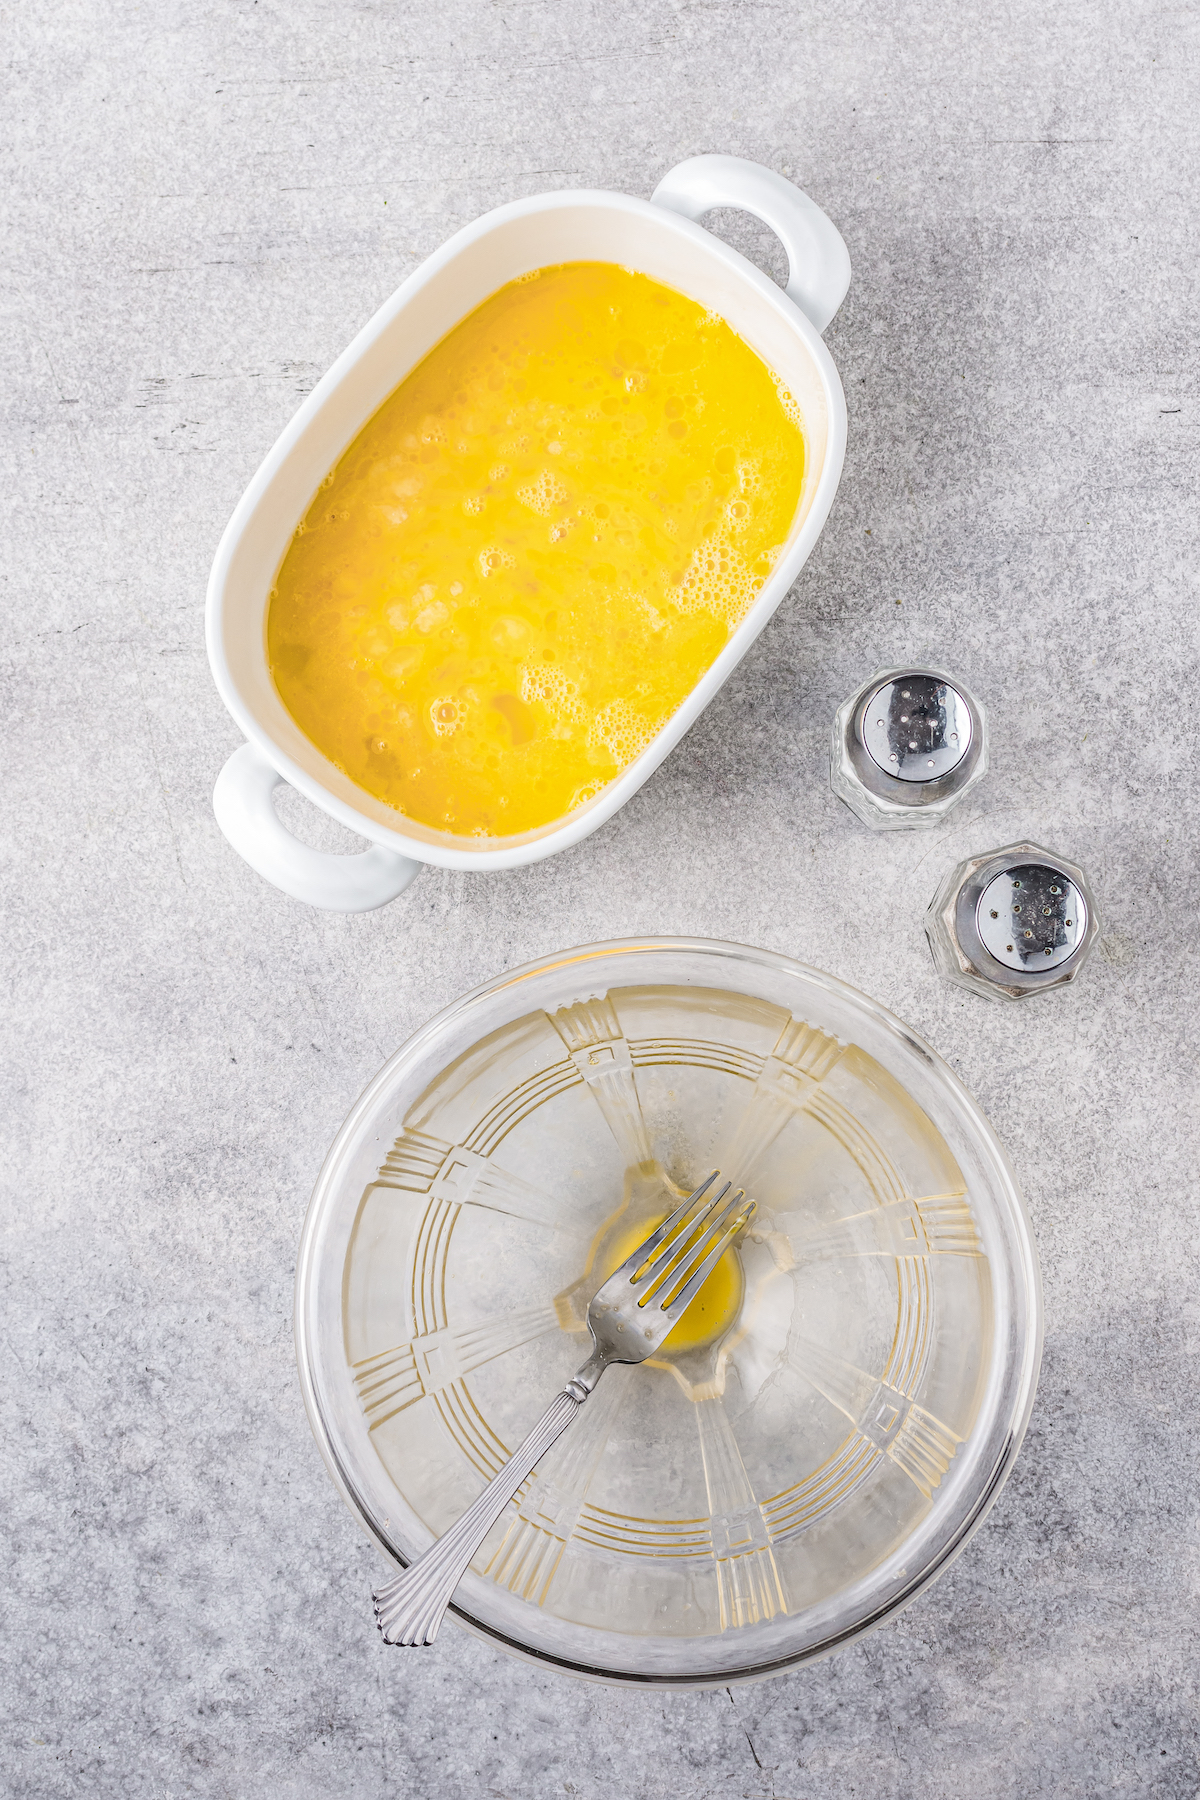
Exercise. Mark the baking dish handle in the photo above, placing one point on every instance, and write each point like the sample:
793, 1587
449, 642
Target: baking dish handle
818, 260
246, 814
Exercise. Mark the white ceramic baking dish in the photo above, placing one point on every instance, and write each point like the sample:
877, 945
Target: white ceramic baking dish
658, 238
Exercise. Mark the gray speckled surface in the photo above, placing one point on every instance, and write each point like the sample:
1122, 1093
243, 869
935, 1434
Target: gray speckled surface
204, 203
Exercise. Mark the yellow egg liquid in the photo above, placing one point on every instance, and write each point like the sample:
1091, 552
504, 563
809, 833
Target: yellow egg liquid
533, 551
716, 1305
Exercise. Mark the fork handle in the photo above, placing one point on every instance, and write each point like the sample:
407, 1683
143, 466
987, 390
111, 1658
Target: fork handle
410, 1608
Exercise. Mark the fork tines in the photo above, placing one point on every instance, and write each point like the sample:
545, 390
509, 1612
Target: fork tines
677, 1259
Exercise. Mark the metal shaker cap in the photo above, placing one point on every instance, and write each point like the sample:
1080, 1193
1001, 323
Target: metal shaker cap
917, 727
1032, 917
907, 747
1016, 922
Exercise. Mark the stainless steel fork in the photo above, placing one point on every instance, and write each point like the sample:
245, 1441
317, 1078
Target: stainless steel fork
628, 1318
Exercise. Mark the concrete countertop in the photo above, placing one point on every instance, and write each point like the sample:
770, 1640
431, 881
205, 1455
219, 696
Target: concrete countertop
204, 204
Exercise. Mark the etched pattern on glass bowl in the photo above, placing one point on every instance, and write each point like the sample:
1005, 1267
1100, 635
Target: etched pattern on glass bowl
745, 1503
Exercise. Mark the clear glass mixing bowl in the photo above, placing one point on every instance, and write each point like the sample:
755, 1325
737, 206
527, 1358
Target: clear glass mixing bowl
811, 1457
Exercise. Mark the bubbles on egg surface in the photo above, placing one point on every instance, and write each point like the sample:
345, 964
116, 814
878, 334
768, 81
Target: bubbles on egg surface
492, 560
554, 688
394, 515
621, 731
717, 580
432, 430
588, 791
474, 504
544, 494
790, 404
498, 472
446, 715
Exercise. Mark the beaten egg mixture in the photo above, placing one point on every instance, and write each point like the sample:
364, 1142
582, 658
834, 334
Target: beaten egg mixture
533, 551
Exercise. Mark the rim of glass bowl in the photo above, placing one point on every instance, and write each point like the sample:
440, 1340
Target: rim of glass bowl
986, 1459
